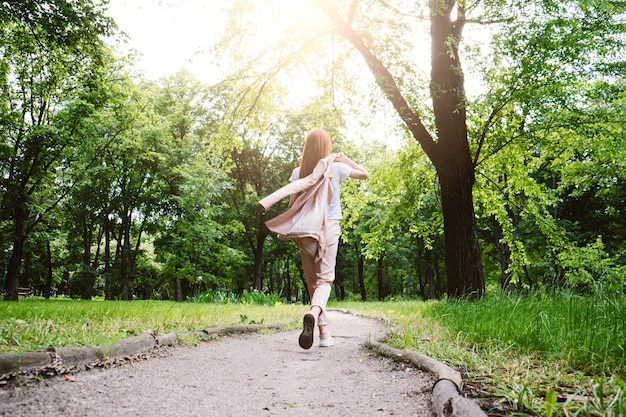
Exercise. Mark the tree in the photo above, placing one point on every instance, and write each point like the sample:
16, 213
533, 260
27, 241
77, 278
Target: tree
449, 152
542, 51
548, 111
52, 78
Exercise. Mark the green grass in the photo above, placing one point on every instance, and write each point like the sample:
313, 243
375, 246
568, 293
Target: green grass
527, 355
34, 324
523, 355
589, 333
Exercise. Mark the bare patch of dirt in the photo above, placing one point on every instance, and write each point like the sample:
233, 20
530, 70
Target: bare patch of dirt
251, 374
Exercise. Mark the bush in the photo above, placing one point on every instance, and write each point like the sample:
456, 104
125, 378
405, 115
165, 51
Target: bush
83, 283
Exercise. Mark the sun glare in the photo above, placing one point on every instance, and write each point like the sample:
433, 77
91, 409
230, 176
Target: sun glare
295, 35
169, 34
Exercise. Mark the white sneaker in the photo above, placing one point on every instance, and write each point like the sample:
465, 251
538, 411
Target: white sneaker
326, 342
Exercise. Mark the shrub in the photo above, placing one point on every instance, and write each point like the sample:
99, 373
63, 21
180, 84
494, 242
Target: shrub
83, 283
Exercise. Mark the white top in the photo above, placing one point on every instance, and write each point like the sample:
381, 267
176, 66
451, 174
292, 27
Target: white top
341, 171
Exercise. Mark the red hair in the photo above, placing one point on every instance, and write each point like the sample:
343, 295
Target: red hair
317, 146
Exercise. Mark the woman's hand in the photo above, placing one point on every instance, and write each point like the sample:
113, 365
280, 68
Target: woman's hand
358, 171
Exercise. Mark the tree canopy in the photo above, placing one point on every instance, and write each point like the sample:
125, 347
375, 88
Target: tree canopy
510, 175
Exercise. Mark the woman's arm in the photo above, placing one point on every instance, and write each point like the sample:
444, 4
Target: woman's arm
358, 172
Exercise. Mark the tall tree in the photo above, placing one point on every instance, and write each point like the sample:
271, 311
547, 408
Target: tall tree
52, 78
544, 48
448, 149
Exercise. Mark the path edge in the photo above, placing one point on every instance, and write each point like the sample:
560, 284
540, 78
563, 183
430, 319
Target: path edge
447, 397
13, 363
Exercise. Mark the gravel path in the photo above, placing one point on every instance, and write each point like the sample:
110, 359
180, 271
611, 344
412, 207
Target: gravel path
241, 375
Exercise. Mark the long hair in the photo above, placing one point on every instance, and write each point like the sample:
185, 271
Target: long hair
317, 146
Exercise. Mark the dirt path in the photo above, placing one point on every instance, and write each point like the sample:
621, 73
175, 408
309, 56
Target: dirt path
253, 374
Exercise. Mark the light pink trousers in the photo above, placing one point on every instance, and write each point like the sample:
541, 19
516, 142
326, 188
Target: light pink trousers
320, 275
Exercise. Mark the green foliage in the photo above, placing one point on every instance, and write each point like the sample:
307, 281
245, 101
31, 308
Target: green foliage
542, 135
82, 283
590, 268
107, 343
248, 297
550, 402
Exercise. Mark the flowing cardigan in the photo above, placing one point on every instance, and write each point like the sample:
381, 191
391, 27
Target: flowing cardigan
305, 220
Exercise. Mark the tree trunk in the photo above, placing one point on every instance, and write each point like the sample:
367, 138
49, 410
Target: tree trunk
125, 256
258, 260
108, 284
438, 276
288, 288
179, 290
463, 261
96, 256
382, 293
258, 270
361, 273
17, 253
504, 257
86, 242
306, 297
430, 273
340, 289
48, 288
12, 278
340, 286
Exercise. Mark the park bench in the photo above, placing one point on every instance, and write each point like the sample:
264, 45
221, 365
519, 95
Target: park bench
23, 292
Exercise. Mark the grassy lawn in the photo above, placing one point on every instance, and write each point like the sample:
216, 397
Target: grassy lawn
34, 324
530, 355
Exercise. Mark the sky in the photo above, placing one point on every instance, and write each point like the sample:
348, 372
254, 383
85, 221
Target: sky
169, 33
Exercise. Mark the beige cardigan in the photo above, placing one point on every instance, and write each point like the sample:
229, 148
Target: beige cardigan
306, 219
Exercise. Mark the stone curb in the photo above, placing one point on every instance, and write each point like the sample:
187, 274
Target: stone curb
235, 329
11, 362
81, 356
446, 397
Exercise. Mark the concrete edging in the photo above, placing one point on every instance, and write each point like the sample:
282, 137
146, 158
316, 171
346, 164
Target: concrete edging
446, 397
81, 356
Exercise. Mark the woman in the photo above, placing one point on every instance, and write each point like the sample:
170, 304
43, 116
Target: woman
319, 268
